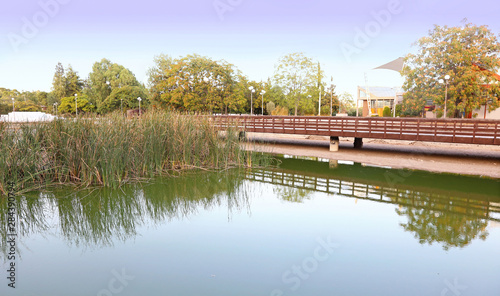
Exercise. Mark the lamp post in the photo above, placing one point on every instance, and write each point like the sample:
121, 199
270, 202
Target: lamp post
309, 96
13, 100
76, 105
395, 101
447, 77
139, 99
319, 103
252, 90
262, 93
331, 100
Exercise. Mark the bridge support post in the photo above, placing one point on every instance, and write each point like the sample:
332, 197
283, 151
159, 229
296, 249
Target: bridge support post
358, 143
334, 144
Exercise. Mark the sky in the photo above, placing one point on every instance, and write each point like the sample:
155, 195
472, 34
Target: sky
348, 38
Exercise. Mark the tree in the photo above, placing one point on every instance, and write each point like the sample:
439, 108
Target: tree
463, 53
65, 83
297, 74
73, 82
274, 93
196, 83
27, 106
125, 97
270, 106
68, 104
59, 82
346, 104
107, 78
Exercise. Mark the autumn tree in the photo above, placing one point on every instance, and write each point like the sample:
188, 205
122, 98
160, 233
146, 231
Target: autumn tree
464, 53
298, 76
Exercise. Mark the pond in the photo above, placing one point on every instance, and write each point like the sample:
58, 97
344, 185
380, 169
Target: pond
304, 227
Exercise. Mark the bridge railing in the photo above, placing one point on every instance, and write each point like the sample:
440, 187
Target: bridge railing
469, 131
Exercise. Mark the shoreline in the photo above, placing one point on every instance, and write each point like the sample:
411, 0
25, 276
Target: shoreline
463, 159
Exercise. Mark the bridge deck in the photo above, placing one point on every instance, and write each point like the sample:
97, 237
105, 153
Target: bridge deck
467, 131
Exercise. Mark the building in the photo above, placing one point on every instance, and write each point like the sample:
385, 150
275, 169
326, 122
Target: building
374, 99
26, 117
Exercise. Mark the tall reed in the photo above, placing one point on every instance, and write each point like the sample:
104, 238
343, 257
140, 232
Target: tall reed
112, 150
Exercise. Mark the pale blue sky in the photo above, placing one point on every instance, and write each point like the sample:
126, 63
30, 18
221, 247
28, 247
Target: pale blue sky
252, 34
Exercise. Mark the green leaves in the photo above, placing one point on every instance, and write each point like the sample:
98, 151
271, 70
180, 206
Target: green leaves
109, 82
66, 82
195, 83
457, 52
299, 77
68, 104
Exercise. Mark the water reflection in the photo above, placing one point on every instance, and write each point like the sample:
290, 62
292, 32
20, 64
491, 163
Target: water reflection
447, 209
97, 218
451, 229
444, 209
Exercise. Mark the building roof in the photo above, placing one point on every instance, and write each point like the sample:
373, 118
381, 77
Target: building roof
381, 92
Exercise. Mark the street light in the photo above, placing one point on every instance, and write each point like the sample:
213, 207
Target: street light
262, 93
76, 105
13, 104
447, 77
319, 102
252, 90
139, 99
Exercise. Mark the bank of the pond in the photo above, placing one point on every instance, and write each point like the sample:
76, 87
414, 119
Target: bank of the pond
112, 150
434, 157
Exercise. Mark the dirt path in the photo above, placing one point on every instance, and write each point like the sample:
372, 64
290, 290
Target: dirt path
480, 160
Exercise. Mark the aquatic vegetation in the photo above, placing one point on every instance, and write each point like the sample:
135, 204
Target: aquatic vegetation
112, 150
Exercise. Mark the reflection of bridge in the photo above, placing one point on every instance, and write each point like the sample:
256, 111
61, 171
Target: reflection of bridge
410, 197
467, 131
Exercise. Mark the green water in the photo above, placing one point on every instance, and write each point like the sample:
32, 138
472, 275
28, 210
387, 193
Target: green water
304, 227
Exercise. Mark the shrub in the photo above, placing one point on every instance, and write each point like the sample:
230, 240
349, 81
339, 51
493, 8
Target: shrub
386, 112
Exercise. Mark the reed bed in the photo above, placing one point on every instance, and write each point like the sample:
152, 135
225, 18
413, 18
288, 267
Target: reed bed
113, 150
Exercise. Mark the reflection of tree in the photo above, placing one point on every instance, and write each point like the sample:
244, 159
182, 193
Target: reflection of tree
445, 224
292, 194
97, 218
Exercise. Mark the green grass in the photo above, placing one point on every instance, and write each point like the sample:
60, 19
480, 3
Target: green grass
112, 150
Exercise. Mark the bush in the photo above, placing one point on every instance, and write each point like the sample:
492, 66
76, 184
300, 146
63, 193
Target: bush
280, 110
386, 112
270, 107
398, 110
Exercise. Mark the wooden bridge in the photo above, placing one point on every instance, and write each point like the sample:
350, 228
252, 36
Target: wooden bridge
465, 131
